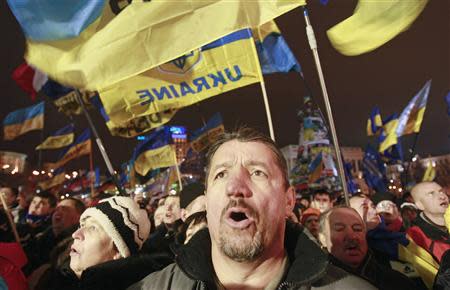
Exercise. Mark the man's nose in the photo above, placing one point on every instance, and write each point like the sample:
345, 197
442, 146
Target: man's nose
237, 185
78, 234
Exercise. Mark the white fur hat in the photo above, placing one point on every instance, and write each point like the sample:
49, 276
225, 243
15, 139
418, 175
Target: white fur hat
123, 220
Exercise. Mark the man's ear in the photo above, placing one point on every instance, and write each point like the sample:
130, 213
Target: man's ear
322, 239
290, 200
183, 214
419, 205
117, 256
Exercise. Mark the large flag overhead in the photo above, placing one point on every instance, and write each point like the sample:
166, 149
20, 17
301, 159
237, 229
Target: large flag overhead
31, 80
412, 116
61, 138
206, 135
220, 66
374, 123
80, 147
273, 52
388, 135
24, 120
374, 23
91, 45
155, 152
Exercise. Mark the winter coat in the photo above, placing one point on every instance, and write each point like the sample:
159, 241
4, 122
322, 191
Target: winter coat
308, 267
431, 237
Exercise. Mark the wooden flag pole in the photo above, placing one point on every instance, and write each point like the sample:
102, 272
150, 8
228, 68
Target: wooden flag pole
99, 142
313, 45
264, 92
10, 220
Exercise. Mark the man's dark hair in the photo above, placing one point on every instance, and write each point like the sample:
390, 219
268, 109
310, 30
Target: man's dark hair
322, 191
246, 134
49, 196
79, 205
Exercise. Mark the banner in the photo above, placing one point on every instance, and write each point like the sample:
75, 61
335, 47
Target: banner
24, 120
107, 43
82, 146
221, 66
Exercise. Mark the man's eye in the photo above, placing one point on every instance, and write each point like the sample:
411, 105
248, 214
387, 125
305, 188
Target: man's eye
338, 228
219, 175
259, 173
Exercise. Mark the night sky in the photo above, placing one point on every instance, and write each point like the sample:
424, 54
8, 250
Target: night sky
388, 77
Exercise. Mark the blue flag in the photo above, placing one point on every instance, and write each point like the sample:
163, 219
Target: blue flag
374, 170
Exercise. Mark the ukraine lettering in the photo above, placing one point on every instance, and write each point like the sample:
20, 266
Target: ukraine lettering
197, 85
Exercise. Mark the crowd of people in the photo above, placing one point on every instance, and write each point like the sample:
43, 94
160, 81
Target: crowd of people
245, 227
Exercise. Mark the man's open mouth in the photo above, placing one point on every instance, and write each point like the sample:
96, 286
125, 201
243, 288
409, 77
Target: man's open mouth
238, 217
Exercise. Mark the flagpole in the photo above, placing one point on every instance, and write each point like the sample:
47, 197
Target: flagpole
111, 170
313, 45
91, 165
264, 92
178, 171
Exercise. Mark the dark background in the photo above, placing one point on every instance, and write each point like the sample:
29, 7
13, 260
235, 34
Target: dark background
388, 77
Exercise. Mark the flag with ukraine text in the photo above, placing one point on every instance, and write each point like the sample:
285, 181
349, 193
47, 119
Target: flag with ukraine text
24, 120
93, 44
220, 66
412, 116
61, 138
155, 152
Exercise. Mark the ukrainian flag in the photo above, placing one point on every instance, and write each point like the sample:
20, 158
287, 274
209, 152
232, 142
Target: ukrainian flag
59, 177
206, 135
374, 123
315, 168
412, 116
61, 138
24, 120
91, 44
80, 147
155, 152
388, 136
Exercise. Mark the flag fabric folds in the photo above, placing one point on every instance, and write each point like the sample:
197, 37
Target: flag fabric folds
315, 168
105, 47
374, 123
388, 135
59, 177
374, 170
135, 126
206, 135
81, 146
273, 52
24, 120
29, 79
155, 152
412, 116
61, 138
430, 172
374, 23
220, 66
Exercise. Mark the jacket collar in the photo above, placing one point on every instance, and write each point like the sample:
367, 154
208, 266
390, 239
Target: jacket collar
307, 261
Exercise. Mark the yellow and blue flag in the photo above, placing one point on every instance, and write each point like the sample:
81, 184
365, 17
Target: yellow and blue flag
93, 44
218, 67
412, 116
61, 138
81, 146
59, 177
136, 126
388, 135
374, 23
374, 170
315, 168
155, 152
206, 135
430, 172
24, 120
374, 123
273, 52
